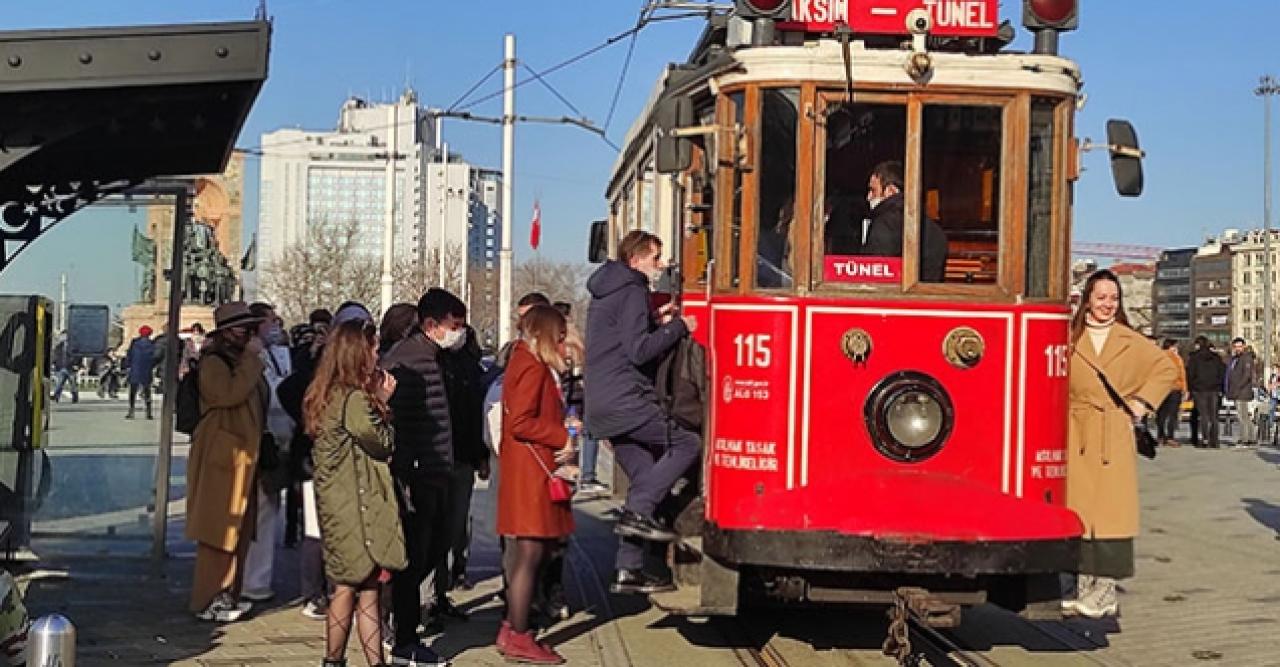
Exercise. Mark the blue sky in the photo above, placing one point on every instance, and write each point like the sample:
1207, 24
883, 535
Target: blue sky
1184, 73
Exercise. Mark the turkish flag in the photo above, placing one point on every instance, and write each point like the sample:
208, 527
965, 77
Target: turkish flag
535, 232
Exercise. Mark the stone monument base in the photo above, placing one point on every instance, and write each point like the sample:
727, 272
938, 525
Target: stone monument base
156, 315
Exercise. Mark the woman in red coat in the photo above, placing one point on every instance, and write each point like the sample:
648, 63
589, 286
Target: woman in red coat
533, 430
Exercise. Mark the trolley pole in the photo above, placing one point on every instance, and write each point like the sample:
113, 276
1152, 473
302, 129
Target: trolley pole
1267, 88
508, 174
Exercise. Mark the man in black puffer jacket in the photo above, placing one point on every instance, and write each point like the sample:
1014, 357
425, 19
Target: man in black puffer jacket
423, 461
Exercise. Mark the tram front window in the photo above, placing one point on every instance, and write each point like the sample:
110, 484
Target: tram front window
862, 140
960, 186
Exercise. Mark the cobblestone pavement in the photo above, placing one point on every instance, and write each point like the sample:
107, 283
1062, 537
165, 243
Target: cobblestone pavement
1207, 591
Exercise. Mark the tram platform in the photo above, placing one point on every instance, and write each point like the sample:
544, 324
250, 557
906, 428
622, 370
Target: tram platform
1207, 589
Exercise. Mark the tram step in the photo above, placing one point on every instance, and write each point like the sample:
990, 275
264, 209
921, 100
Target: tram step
714, 594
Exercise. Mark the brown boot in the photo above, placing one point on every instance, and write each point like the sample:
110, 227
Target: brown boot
522, 647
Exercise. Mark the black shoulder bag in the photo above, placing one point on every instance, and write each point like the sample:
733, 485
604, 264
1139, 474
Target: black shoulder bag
1146, 442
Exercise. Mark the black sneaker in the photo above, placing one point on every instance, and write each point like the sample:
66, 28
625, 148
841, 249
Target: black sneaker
639, 581
416, 655
444, 608
636, 525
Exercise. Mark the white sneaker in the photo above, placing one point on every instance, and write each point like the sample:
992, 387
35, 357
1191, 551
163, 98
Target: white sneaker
224, 609
1100, 601
315, 609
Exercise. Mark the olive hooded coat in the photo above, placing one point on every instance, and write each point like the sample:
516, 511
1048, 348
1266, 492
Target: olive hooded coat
355, 495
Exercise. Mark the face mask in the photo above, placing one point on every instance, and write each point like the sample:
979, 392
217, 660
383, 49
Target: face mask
450, 339
274, 335
875, 202
458, 342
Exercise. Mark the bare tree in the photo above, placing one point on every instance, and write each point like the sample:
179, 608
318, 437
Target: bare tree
324, 269
560, 281
413, 277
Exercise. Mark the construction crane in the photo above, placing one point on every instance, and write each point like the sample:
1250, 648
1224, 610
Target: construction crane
1116, 251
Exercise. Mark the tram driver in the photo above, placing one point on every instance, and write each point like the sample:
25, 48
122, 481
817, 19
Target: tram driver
882, 232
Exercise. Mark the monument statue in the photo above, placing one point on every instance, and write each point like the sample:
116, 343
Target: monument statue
144, 253
208, 278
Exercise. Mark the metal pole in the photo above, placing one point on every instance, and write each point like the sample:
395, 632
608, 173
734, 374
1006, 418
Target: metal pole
164, 458
1268, 87
62, 305
389, 227
508, 174
444, 214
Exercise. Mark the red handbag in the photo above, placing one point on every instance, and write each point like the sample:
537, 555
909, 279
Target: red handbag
559, 489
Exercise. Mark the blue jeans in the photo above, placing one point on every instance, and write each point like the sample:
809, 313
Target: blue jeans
65, 376
587, 459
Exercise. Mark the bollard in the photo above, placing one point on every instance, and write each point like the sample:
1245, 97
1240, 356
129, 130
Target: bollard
51, 642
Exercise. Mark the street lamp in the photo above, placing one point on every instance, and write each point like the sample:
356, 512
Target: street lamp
1267, 88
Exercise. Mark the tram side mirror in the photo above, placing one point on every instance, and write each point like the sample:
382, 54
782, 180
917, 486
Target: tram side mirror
598, 242
1126, 157
674, 154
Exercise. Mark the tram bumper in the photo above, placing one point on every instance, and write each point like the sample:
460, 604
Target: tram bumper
899, 522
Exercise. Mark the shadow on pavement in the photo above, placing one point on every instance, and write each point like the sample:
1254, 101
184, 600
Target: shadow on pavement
1265, 513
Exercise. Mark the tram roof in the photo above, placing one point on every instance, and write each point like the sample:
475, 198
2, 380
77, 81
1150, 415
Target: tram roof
822, 61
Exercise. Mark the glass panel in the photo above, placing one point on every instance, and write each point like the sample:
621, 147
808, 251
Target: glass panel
1040, 180
735, 224
862, 139
778, 117
960, 193
699, 239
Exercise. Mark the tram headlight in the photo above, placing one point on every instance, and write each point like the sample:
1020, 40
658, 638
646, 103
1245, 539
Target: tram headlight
909, 416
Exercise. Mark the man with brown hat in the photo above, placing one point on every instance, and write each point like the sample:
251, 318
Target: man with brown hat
221, 471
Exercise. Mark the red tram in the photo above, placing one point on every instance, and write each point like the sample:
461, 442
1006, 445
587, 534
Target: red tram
873, 423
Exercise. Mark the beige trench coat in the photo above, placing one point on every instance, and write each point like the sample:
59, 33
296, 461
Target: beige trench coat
224, 450
1102, 468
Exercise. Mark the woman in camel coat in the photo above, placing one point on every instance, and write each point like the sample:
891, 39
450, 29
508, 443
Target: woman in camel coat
1102, 474
221, 472
533, 431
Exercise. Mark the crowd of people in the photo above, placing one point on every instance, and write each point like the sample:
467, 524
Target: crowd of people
369, 437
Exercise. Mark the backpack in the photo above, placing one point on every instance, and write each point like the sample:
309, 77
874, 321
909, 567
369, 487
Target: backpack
186, 409
681, 384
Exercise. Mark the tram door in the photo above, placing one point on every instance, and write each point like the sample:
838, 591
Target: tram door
25, 327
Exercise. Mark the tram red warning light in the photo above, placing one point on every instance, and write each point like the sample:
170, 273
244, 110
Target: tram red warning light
1051, 14
772, 9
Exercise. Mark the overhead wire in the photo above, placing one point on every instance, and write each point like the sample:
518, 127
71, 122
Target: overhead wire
553, 90
622, 77
472, 89
259, 150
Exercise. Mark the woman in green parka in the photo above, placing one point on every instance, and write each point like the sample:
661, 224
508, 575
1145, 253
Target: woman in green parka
346, 413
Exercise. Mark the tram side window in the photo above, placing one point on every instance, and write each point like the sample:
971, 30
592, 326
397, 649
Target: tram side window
735, 224
960, 189
1040, 196
860, 138
779, 115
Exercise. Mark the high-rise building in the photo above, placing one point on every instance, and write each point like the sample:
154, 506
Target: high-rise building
339, 177
1171, 294
446, 210
464, 220
1248, 285
1211, 290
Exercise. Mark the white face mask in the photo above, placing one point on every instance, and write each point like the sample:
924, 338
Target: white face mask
452, 339
874, 201
459, 341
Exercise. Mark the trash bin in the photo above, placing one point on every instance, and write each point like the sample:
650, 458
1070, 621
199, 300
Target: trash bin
51, 642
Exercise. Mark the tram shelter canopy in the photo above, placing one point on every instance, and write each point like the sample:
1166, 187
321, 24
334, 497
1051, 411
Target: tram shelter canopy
85, 113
